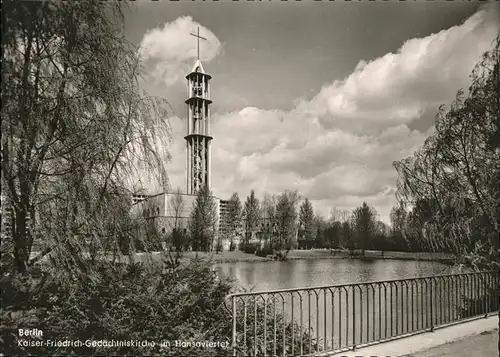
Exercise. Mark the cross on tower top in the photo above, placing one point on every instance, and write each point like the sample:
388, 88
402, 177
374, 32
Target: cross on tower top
198, 37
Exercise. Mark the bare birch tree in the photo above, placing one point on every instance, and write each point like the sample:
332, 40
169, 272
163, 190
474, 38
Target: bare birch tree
177, 207
286, 222
234, 219
268, 214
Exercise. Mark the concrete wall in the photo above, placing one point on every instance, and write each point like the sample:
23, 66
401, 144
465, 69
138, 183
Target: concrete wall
162, 210
187, 205
151, 207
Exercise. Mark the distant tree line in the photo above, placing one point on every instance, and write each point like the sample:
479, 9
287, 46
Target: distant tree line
278, 223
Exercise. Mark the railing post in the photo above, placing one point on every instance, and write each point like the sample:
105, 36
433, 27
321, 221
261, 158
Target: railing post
234, 324
324, 322
431, 305
354, 318
486, 294
293, 326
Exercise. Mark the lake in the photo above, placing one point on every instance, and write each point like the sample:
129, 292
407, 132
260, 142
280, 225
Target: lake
382, 311
316, 272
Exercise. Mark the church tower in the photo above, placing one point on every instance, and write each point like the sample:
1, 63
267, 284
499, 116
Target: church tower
198, 129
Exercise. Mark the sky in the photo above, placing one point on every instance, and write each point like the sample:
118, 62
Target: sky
321, 97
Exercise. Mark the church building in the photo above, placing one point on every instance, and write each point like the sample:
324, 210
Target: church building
163, 209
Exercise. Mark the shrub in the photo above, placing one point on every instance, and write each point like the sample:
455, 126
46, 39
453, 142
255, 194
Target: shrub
306, 244
249, 248
264, 252
355, 253
124, 244
260, 253
255, 311
122, 302
484, 303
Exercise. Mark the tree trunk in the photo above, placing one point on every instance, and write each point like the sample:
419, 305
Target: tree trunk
20, 236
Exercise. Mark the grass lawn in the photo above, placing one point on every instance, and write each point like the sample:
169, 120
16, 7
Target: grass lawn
226, 257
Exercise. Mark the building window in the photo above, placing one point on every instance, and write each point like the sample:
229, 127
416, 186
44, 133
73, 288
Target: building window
163, 230
198, 91
158, 211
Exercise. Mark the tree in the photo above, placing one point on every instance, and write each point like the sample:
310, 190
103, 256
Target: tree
398, 219
268, 216
339, 215
338, 230
417, 226
203, 221
330, 234
347, 236
320, 226
306, 221
251, 215
452, 181
335, 214
364, 224
219, 247
383, 237
399, 225
178, 236
234, 216
286, 222
333, 232
72, 119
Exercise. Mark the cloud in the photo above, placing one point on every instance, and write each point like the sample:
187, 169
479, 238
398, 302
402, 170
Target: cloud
168, 52
337, 148
398, 87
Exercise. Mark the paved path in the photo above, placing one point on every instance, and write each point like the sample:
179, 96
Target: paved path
445, 341
484, 344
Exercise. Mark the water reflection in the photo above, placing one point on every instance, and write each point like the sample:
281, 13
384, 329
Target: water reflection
305, 273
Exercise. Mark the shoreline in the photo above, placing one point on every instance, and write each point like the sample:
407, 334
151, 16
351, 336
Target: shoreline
320, 254
241, 257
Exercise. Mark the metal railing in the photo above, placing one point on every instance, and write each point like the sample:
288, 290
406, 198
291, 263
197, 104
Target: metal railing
328, 319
